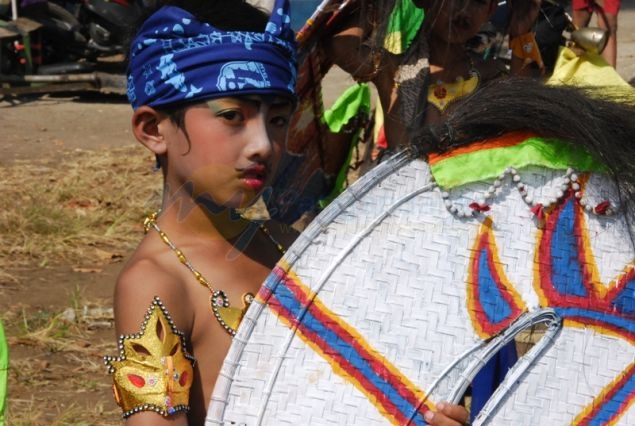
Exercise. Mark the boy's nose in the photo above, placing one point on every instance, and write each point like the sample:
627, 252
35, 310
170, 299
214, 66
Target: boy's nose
259, 143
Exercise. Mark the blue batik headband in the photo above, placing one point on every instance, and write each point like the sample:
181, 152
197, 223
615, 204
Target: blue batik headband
175, 58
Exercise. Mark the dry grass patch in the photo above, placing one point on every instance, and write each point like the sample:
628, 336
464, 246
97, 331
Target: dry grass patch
83, 212
59, 363
89, 207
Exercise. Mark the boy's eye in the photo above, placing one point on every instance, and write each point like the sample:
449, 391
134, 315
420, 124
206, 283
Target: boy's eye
229, 115
280, 120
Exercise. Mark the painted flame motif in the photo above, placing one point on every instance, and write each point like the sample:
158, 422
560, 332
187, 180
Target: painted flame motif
493, 303
567, 279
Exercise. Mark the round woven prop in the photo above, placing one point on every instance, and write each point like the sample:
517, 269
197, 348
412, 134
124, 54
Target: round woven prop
394, 298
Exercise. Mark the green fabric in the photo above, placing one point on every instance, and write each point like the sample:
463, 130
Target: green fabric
26, 39
488, 163
4, 367
354, 101
403, 24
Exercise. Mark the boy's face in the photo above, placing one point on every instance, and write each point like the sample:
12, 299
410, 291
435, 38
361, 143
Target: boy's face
229, 148
457, 21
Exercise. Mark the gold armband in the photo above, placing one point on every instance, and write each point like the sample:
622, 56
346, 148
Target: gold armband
525, 47
153, 371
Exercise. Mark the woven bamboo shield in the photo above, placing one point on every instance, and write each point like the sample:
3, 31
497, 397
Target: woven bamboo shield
396, 295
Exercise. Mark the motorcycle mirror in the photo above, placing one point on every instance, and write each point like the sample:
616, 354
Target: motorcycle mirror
590, 39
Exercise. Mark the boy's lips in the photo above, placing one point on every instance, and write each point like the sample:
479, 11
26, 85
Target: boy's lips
255, 176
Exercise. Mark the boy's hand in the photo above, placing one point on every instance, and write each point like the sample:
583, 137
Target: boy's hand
448, 415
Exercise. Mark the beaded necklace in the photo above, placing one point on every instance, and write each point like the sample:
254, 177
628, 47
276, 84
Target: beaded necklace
227, 316
570, 181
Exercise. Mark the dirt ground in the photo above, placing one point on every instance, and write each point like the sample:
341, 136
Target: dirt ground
58, 383
61, 382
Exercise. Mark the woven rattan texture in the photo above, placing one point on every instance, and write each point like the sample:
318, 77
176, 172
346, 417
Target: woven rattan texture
388, 267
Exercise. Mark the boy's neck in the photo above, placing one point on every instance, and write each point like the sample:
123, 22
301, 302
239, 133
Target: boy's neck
217, 222
447, 55
449, 61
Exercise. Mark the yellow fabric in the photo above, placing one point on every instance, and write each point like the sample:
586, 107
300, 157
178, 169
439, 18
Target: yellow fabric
442, 94
588, 69
153, 372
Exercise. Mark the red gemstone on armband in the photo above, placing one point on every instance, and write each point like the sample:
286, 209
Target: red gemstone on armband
183, 378
137, 381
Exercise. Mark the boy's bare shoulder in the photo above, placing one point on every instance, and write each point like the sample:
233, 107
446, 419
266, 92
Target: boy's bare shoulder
150, 267
148, 274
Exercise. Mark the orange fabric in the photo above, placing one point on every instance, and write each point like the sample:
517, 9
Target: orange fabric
505, 140
526, 48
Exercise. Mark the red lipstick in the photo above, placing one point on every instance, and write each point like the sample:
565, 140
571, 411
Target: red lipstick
255, 176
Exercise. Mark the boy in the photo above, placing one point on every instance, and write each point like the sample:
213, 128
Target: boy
212, 87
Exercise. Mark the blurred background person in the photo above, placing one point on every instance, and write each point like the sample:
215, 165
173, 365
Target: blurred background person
606, 13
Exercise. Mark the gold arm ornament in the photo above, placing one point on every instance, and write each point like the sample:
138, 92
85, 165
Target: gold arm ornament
153, 371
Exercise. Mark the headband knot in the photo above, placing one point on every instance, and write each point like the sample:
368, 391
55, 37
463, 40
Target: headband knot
175, 58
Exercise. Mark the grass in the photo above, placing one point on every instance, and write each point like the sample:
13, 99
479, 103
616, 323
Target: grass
87, 208
59, 364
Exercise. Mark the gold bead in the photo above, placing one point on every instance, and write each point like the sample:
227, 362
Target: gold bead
181, 256
150, 222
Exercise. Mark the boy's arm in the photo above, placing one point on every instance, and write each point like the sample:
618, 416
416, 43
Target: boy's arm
346, 47
150, 345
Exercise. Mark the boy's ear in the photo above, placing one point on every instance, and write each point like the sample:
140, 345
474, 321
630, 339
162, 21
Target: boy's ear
145, 127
